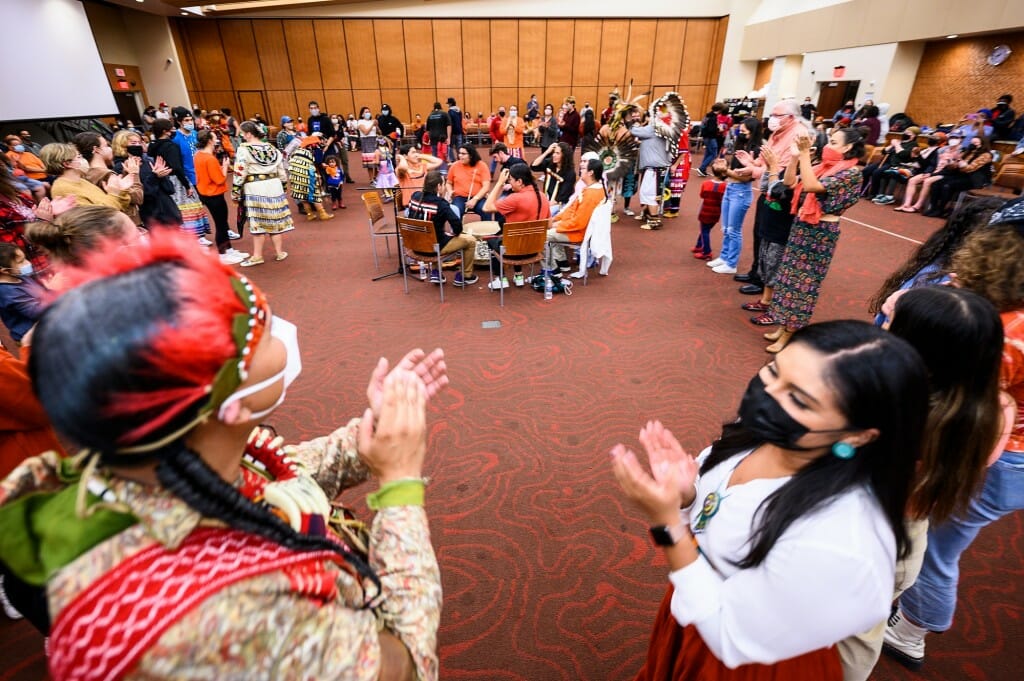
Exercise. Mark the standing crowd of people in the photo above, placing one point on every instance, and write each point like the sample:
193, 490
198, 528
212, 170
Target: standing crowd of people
860, 464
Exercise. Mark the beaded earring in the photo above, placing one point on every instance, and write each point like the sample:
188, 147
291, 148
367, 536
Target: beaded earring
844, 450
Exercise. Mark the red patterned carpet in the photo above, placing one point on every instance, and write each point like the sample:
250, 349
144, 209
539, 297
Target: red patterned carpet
548, 574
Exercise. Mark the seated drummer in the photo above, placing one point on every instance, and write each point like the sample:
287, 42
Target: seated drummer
428, 204
524, 202
571, 224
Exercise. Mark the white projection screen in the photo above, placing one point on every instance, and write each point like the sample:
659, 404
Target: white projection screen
49, 65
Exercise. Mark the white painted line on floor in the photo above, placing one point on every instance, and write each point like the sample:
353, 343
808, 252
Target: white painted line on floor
883, 231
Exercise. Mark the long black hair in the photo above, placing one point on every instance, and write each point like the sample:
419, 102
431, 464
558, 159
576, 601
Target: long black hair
880, 382
107, 363
474, 155
522, 172
960, 337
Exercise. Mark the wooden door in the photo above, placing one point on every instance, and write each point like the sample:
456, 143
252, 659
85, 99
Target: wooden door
834, 94
250, 103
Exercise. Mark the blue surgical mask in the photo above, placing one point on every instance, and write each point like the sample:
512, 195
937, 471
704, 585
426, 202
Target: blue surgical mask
189, 126
19, 148
26, 269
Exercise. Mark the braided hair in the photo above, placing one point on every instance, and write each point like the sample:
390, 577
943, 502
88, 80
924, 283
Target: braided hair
167, 313
522, 172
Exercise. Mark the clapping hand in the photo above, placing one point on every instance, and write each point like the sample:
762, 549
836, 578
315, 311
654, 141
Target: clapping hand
431, 369
670, 484
131, 165
116, 183
771, 161
393, 442
160, 167
803, 145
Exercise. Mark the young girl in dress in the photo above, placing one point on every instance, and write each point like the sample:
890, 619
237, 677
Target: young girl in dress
386, 178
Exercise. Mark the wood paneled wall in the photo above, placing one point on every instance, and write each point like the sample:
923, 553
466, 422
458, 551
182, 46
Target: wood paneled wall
349, 63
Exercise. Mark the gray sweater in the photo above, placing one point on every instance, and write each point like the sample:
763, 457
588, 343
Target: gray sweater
653, 151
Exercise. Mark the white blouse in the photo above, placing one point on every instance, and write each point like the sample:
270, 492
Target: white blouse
829, 576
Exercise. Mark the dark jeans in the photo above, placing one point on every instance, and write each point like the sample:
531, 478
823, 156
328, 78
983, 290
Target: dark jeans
218, 208
453, 148
710, 153
755, 278
460, 204
704, 238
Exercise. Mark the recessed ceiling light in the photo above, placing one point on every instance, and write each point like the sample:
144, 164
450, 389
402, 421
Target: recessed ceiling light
955, 35
803, 54
765, 58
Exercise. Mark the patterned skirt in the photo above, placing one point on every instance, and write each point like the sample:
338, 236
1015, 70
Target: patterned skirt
266, 207
367, 147
193, 215
804, 265
677, 653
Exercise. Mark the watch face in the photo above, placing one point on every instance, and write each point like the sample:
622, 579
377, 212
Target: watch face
999, 54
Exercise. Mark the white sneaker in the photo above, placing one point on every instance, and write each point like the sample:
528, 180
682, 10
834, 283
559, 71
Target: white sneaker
904, 640
724, 269
715, 263
233, 235
203, 241
241, 254
230, 258
498, 283
629, 212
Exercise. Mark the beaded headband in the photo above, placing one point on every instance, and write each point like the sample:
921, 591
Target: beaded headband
246, 330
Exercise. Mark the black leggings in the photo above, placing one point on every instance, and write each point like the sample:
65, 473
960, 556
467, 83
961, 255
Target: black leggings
218, 208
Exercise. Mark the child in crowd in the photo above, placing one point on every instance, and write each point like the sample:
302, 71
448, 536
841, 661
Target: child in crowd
677, 177
334, 178
386, 178
20, 296
711, 192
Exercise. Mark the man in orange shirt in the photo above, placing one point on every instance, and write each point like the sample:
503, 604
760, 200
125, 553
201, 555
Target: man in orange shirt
570, 226
24, 160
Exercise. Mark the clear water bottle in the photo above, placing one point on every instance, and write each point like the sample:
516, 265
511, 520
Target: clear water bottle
549, 288
423, 270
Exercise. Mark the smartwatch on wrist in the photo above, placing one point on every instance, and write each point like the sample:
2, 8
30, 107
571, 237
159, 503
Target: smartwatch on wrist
668, 535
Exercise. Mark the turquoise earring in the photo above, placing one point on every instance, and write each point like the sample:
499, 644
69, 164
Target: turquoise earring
844, 450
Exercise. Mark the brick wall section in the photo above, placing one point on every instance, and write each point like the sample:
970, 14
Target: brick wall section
954, 78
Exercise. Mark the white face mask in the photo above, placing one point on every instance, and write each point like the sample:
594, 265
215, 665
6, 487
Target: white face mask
288, 334
954, 142
26, 269
774, 123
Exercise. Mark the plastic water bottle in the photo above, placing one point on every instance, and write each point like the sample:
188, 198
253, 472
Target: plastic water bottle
423, 270
549, 288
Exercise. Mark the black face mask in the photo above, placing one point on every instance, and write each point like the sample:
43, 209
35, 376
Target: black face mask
764, 417
134, 150
501, 114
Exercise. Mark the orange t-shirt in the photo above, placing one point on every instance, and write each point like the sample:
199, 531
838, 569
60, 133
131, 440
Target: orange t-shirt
1011, 375
468, 181
29, 163
522, 206
210, 180
574, 219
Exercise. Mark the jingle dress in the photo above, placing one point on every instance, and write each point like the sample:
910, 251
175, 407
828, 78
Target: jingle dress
259, 178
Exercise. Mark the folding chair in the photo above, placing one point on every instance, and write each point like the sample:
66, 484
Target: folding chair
522, 243
419, 242
379, 227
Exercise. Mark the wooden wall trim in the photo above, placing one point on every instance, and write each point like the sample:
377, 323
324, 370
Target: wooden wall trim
487, 71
